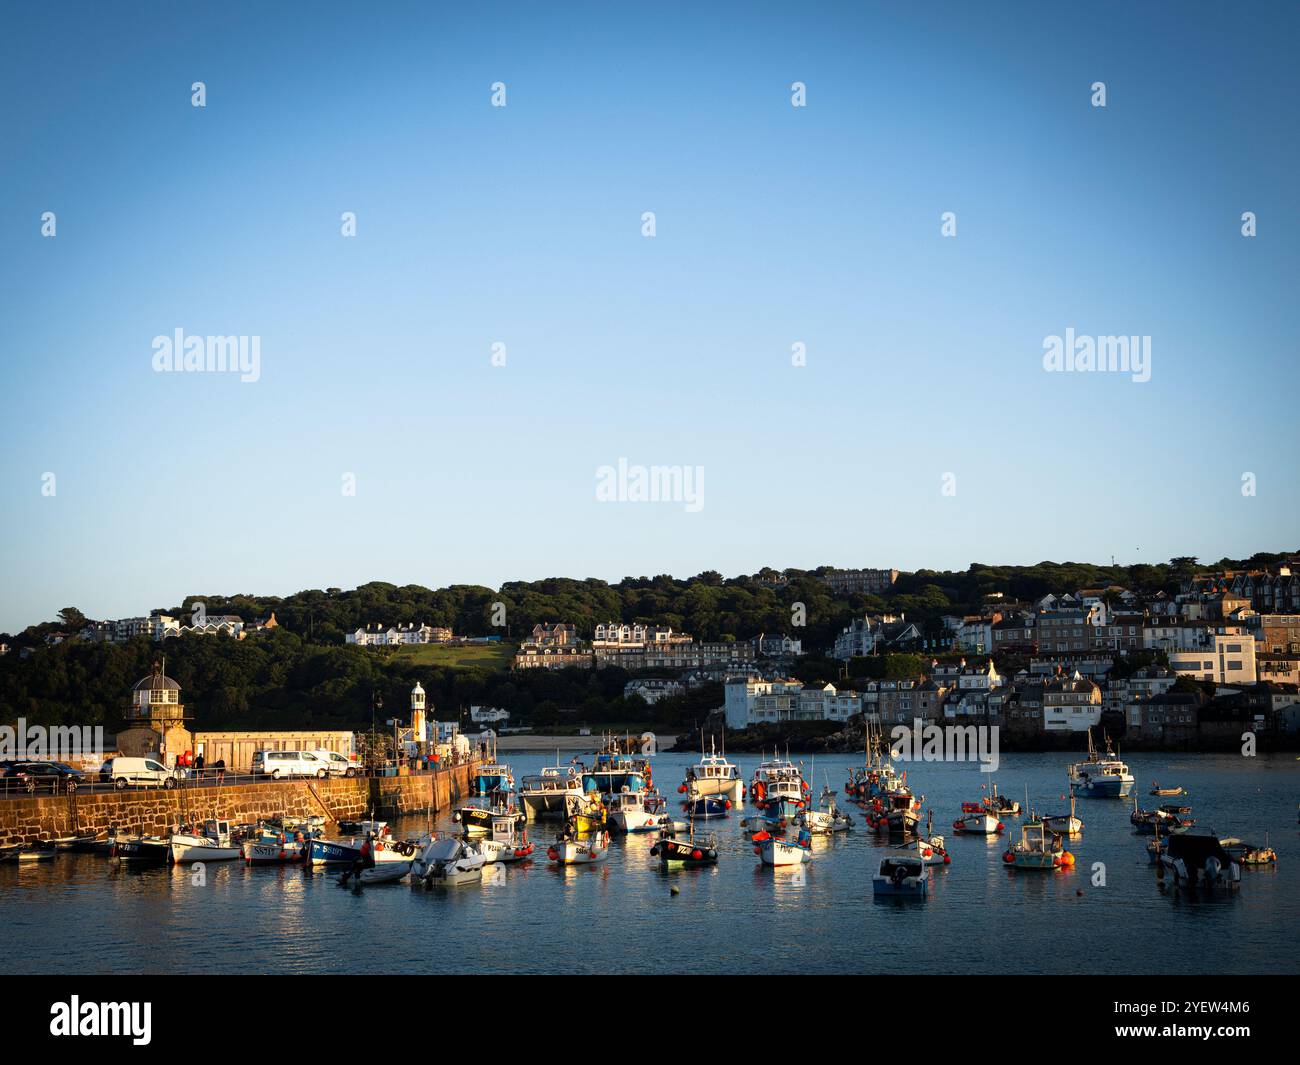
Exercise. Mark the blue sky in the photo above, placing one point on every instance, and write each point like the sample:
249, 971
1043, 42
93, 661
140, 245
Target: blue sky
522, 225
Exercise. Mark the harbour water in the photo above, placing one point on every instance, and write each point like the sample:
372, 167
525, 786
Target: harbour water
82, 913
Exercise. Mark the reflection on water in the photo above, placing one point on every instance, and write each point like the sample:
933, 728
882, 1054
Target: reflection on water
84, 913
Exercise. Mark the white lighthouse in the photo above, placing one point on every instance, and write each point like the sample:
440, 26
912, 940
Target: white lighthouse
419, 728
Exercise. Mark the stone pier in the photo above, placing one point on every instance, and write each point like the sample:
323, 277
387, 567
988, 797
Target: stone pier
154, 811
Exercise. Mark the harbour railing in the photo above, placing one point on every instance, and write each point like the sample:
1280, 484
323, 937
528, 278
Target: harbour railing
15, 787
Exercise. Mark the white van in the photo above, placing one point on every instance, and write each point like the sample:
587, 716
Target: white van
276, 764
338, 765
145, 772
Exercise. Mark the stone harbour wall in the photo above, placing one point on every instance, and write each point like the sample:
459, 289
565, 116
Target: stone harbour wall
154, 811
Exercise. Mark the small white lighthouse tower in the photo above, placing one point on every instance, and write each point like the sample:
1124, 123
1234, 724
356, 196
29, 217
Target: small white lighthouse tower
419, 727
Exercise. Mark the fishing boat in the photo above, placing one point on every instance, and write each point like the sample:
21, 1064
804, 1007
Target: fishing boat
691, 850
1063, 824
998, 804
347, 851
707, 807
1156, 789
1101, 775
211, 843
1038, 849
975, 820
877, 775
141, 850
273, 851
589, 815
1145, 822
713, 778
571, 850
902, 809
447, 862
507, 839
613, 770
552, 793
778, 790
777, 852
475, 817
638, 811
826, 817
494, 778
1248, 854
901, 874
1198, 860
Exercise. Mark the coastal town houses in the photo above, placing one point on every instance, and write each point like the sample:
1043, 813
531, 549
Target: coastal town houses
1278, 633
378, 635
875, 634
774, 645
1273, 589
652, 689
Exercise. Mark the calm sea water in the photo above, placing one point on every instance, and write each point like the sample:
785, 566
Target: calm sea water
83, 914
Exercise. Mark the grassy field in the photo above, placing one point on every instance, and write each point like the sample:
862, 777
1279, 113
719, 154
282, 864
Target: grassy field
478, 655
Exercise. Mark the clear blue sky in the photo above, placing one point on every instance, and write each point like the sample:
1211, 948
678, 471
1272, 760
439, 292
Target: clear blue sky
522, 225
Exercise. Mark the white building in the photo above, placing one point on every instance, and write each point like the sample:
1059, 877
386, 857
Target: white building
1230, 661
398, 635
741, 694
488, 715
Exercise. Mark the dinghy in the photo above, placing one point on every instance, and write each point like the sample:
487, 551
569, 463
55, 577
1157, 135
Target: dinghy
383, 873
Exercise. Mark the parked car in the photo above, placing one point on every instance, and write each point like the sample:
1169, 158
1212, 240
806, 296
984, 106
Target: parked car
338, 765
40, 776
276, 764
123, 771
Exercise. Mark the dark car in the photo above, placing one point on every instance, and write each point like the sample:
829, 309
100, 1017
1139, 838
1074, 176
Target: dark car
38, 776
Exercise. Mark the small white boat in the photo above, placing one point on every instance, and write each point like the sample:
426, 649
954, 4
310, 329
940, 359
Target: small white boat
930, 850
975, 820
448, 861
579, 851
776, 852
638, 811
212, 844
826, 818
383, 873
900, 875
